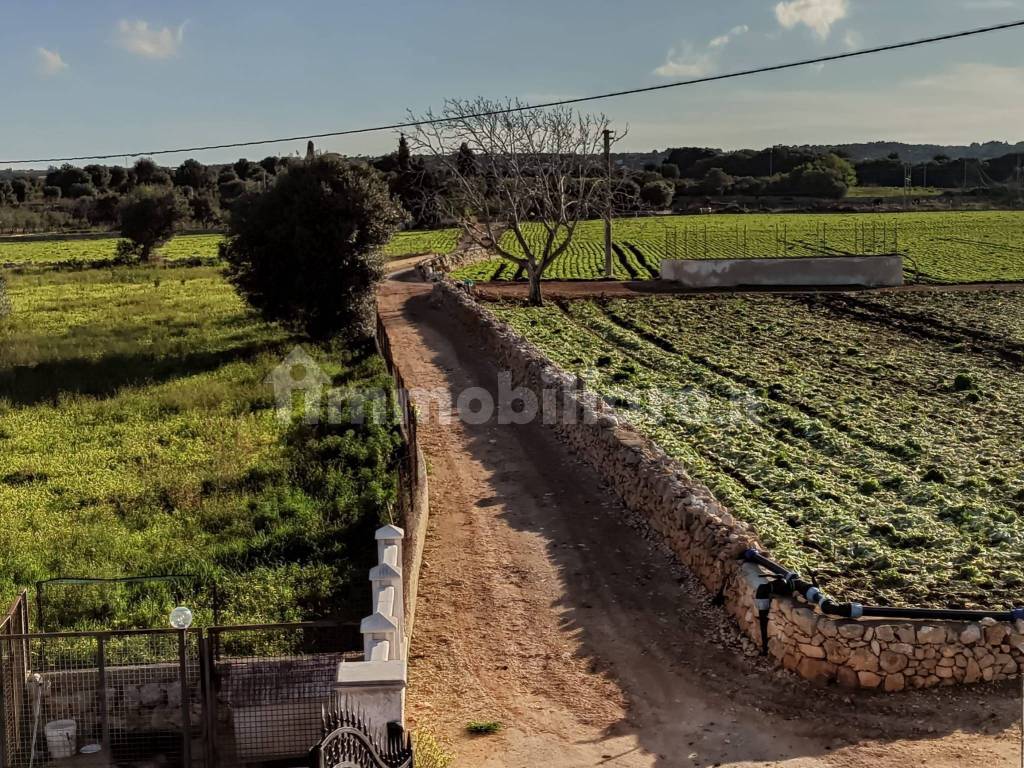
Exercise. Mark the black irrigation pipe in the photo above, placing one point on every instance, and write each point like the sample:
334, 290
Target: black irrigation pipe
789, 582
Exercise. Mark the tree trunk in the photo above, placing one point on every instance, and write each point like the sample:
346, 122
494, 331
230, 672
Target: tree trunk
535, 299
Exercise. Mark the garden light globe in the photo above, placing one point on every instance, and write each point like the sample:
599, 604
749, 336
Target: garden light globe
181, 617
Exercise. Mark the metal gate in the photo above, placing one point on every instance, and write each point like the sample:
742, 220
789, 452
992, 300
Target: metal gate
349, 743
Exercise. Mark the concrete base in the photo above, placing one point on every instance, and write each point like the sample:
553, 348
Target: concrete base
867, 271
376, 688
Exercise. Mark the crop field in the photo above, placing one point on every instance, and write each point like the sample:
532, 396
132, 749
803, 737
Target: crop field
415, 242
877, 451
84, 251
189, 247
137, 436
955, 247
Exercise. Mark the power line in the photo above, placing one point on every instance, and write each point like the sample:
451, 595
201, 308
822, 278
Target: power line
545, 105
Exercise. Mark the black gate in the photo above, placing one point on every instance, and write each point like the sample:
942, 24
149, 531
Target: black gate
349, 743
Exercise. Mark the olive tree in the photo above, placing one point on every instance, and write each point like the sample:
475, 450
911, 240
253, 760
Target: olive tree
533, 172
306, 253
148, 218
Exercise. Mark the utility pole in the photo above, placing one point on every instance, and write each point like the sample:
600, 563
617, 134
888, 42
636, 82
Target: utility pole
608, 205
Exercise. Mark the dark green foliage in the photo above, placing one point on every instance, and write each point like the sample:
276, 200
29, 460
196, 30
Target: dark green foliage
51, 192
306, 253
148, 218
118, 177
657, 194
145, 171
99, 175
204, 209
192, 173
231, 190
669, 171
65, 177
81, 190
244, 168
270, 164
466, 161
104, 209
716, 181
22, 188
404, 156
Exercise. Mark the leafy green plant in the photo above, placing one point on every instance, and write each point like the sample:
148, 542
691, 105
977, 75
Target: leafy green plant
483, 727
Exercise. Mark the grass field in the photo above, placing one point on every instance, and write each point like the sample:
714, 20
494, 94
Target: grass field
137, 436
940, 247
85, 251
186, 247
874, 444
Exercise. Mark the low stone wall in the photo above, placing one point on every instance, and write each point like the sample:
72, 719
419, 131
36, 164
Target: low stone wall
440, 265
870, 271
890, 655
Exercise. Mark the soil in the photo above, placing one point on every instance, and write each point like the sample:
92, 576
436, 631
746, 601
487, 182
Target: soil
546, 607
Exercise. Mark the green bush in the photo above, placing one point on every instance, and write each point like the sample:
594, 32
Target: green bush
148, 218
306, 253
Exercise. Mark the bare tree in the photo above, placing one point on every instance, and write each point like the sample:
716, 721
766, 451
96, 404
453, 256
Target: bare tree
533, 172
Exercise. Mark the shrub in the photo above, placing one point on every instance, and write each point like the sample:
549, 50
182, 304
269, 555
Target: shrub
79, 189
51, 192
148, 218
204, 209
716, 181
22, 188
670, 170
658, 194
306, 253
192, 173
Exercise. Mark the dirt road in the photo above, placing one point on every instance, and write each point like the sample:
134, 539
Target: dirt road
543, 608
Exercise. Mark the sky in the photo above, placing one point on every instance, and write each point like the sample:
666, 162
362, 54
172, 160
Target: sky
112, 76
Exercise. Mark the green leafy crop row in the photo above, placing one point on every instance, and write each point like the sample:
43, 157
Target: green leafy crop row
885, 461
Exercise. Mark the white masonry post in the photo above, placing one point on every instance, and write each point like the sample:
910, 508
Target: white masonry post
389, 553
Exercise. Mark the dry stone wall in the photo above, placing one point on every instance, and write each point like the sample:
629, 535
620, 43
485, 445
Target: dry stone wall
886, 655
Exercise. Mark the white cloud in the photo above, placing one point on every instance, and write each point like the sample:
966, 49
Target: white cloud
139, 38
723, 40
49, 63
853, 40
818, 15
687, 62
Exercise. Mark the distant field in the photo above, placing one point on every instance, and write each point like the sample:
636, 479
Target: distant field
84, 251
416, 242
887, 192
950, 247
185, 247
876, 450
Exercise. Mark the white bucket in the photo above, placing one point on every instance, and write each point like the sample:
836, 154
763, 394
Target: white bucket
60, 738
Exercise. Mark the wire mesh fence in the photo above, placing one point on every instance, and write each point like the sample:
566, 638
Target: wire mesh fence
269, 685
128, 696
223, 696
